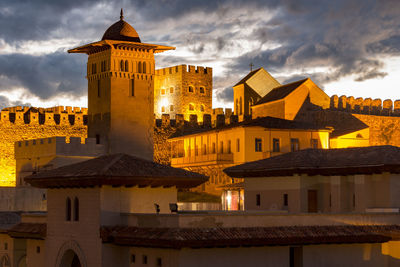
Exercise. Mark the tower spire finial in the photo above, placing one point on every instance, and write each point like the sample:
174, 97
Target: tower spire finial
121, 17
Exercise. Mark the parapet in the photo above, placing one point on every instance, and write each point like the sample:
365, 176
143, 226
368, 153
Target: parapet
184, 69
218, 117
365, 106
68, 116
58, 145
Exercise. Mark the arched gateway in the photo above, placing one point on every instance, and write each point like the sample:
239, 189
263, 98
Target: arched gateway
70, 255
70, 259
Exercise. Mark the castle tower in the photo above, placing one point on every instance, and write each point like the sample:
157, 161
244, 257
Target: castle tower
120, 73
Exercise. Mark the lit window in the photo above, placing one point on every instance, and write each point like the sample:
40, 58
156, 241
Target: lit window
276, 145
202, 108
202, 90
294, 144
171, 90
171, 108
258, 145
162, 109
162, 91
191, 107
191, 89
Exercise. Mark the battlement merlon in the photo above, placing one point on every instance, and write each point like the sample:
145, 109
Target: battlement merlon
58, 146
180, 69
366, 106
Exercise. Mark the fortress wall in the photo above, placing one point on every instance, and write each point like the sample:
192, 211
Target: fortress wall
366, 106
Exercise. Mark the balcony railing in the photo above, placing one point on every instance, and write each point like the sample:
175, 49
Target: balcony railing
199, 160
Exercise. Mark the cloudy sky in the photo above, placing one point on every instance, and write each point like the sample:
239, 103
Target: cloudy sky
349, 47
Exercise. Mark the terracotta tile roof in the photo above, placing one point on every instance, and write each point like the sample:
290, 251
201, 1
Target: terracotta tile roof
280, 92
8, 219
344, 161
256, 236
248, 76
28, 230
116, 170
265, 122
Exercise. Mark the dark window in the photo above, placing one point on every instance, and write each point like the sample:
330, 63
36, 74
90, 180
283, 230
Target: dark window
191, 89
126, 65
314, 143
258, 145
76, 209
191, 107
330, 200
144, 67
5, 246
139, 67
37, 249
97, 139
285, 200
294, 144
276, 145
202, 108
221, 147
133, 258
295, 256
258, 200
19, 143
144, 259
68, 209
98, 88
132, 89
159, 262
121, 65
202, 91
49, 140
238, 145
229, 147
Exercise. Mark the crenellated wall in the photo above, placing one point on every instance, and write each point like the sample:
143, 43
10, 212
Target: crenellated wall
23, 123
366, 106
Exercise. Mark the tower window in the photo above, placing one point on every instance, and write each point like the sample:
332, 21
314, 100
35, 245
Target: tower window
171, 108
76, 209
162, 91
191, 89
132, 89
191, 107
171, 90
126, 65
202, 90
121, 65
238, 145
276, 145
68, 209
162, 109
202, 108
144, 67
139, 67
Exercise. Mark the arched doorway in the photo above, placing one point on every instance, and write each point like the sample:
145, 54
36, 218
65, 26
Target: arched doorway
5, 261
70, 259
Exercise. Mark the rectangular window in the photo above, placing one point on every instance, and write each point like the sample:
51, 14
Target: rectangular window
276, 147
285, 200
295, 256
132, 88
258, 200
258, 145
98, 88
34, 142
159, 262
221, 147
49, 140
171, 108
5, 246
238, 145
97, 139
19, 143
144, 259
38, 250
354, 200
314, 143
229, 146
213, 148
294, 144
133, 258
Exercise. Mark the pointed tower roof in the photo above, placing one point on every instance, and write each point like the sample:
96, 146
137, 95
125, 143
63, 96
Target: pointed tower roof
121, 31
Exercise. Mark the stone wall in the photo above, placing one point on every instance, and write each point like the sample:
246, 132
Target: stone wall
365, 106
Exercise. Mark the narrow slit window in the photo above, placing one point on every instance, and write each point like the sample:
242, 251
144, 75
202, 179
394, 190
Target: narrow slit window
76, 209
68, 209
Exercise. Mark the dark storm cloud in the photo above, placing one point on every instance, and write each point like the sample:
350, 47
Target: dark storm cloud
344, 37
44, 76
5, 102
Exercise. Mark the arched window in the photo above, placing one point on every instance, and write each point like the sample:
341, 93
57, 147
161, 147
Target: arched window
126, 65
139, 67
202, 108
121, 65
240, 106
68, 209
144, 67
191, 107
191, 89
76, 209
237, 107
